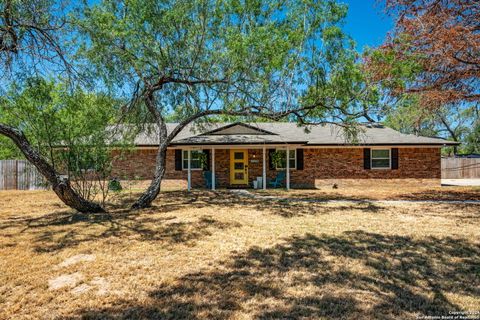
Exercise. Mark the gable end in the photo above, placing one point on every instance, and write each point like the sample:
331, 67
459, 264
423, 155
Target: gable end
238, 128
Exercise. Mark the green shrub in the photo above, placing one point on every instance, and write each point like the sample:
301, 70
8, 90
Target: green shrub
115, 185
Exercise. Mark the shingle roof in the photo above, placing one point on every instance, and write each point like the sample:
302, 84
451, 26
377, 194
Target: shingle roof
281, 133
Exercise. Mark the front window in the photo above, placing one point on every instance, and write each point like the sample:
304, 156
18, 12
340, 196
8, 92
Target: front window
282, 164
195, 160
380, 158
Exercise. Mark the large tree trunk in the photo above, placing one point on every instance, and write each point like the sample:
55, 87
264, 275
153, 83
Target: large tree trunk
153, 190
61, 187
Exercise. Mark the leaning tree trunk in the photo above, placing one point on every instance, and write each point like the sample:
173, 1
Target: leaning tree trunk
153, 190
61, 187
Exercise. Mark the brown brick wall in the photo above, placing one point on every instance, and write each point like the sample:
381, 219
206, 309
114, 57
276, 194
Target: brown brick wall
321, 166
137, 164
334, 165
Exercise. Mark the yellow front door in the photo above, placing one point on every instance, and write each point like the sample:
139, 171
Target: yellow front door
238, 167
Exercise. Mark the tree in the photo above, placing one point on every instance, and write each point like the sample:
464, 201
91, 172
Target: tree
33, 29
429, 68
30, 33
67, 129
8, 150
434, 49
451, 121
251, 59
472, 141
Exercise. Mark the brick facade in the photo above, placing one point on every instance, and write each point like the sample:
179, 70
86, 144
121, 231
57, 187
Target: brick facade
322, 166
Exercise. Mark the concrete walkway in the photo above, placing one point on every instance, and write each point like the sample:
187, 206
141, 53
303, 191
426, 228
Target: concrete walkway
461, 182
246, 193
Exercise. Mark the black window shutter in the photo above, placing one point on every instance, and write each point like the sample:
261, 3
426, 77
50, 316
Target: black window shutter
271, 166
178, 160
394, 155
366, 158
206, 166
299, 159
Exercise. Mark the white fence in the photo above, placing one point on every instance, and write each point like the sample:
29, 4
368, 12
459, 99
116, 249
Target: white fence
20, 175
460, 168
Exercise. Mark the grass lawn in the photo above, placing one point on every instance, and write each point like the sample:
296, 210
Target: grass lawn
381, 192
207, 255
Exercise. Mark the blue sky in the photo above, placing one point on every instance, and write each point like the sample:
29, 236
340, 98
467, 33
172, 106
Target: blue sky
366, 22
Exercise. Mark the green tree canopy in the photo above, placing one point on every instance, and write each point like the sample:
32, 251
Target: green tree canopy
68, 128
267, 56
254, 59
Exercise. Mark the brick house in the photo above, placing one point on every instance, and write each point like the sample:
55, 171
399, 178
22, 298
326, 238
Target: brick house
237, 154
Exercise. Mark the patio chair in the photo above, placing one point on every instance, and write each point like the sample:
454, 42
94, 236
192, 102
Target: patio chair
207, 175
279, 180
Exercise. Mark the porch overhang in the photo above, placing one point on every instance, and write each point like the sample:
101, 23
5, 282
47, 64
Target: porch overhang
236, 139
237, 145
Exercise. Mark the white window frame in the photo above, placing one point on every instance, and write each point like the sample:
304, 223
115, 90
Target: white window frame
383, 158
294, 158
185, 158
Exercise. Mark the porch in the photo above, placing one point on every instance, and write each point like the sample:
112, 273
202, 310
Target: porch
238, 166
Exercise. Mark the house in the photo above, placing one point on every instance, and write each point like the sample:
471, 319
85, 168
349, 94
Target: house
236, 154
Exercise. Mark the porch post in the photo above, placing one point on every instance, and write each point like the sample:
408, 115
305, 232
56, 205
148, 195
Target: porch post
189, 175
288, 168
264, 170
213, 169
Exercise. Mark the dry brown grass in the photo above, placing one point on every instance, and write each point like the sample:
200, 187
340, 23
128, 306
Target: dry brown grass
209, 255
381, 192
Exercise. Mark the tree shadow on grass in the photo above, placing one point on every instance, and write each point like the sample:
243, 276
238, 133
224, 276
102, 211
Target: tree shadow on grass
295, 207
463, 213
353, 276
224, 200
65, 229
415, 193
164, 222
445, 195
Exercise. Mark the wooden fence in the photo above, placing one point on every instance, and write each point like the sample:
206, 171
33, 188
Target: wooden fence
20, 175
460, 168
